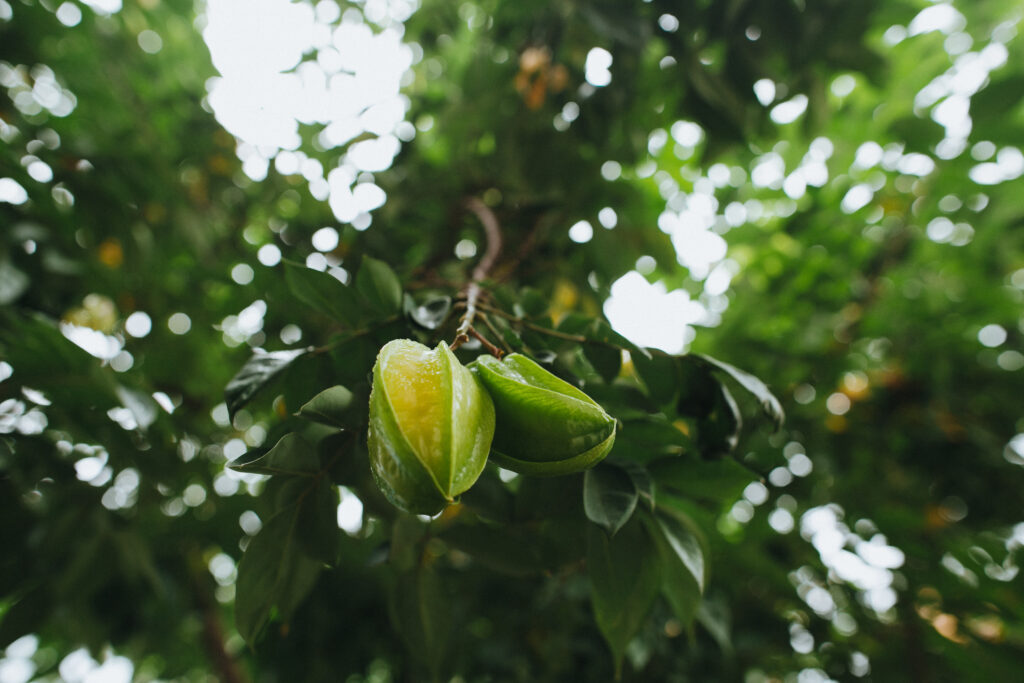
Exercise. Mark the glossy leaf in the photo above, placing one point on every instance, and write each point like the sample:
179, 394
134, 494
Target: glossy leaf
292, 455
380, 286
769, 404
609, 496
262, 367
331, 406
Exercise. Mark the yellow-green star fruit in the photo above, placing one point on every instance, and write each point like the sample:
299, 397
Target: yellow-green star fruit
545, 426
431, 425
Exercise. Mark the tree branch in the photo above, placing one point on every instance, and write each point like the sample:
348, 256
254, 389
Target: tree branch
492, 231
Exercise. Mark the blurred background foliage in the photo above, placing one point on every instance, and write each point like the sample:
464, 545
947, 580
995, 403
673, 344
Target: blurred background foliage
830, 190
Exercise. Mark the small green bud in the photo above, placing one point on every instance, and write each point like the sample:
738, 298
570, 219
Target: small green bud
431, 425
545, 426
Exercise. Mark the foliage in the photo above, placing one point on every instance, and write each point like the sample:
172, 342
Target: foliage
826, 483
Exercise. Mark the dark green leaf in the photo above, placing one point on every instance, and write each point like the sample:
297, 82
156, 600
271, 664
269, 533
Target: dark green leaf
508, 549
329, 407
625, 574
769, 404
533, 303
274, 577
380, 286
642, 480
660, 374
255, 374
322, 292
292, 455
317, 529
683, 564
607, 360
719, 433
720, 481
421, 614
681, 535
609, 496
26, 615
698, 388
714, 617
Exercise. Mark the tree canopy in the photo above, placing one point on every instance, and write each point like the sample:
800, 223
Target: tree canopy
780, 244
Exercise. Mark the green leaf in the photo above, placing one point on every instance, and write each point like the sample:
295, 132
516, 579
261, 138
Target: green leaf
532, 303
274, 577
660, 374
606, 360
421, 614
509, 549
697, 387
720, 481
684, 542
262, 367
317, 529
431, 314
769, 404
642, 480
330, 407
719, 433
292, 455
609, 496
625, 575
683, 561
380, 286
322, 292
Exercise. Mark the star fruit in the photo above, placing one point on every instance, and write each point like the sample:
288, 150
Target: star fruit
545, 426
431, 425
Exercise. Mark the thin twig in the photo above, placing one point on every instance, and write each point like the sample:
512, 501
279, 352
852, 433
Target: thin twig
494, 331
492, 231
491, 348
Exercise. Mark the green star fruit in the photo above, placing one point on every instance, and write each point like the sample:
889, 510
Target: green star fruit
545, 426
431, 425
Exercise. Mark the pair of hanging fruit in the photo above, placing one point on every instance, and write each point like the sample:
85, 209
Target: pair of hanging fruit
433, 422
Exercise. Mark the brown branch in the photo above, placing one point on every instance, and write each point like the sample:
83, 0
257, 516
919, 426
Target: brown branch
213, 637
492, 231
